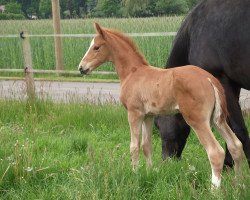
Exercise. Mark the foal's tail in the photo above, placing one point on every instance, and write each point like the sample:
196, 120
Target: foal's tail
220, 113
219, 117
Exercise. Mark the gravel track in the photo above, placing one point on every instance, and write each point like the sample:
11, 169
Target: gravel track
58, 91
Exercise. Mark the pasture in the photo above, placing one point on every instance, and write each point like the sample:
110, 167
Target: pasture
154, 48
81, 151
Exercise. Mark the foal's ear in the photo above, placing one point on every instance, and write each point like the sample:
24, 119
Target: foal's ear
99, 30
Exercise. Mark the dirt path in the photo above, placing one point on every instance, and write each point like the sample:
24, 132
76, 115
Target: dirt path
63, 91
76, 91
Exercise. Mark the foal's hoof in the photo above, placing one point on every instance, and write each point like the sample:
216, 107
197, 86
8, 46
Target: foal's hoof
135, 168
214, 187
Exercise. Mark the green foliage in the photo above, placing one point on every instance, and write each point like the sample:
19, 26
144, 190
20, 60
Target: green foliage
81, 151
134, 8
107, 8
3, 2
90, 4
192, 3
45, 8
100, 8
12, 10
12, 16
171, 7
29, 7
13, 7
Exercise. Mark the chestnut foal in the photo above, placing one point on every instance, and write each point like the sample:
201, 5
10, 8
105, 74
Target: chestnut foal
147, 91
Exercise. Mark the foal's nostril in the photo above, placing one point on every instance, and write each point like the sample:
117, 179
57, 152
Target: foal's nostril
82, 71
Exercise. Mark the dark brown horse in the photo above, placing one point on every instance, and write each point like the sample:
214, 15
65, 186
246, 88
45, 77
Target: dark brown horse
214, 36
148, 91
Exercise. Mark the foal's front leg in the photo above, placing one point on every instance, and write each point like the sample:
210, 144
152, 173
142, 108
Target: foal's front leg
135, 119
146, 139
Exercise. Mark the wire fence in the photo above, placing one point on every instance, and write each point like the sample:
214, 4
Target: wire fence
153, 34
37, 45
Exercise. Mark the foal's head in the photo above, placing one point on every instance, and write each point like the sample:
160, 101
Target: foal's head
97, 54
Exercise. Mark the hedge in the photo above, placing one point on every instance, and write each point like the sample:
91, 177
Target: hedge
5, 16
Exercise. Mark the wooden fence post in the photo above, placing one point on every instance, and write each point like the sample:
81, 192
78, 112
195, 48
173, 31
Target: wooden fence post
30, 84
57, 31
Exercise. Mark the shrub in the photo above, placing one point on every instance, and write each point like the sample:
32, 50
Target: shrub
5, 16
14, 8
171, 7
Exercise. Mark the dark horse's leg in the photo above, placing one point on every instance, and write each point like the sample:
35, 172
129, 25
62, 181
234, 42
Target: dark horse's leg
174, 132
236, 120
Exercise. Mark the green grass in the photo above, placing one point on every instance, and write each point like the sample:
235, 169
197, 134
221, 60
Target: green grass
62, 77
81, 151
156, 49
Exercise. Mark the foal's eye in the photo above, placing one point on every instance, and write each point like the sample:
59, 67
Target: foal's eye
96, 48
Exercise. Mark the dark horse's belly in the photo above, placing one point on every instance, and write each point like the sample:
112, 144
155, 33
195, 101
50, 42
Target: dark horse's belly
216, 37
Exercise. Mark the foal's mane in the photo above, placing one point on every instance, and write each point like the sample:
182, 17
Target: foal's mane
130, 42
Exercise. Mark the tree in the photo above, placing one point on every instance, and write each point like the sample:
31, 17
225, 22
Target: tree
73, 8
100, 8
192, 3
90, 5
134, 8
107, 8
3, 2
171, 7
81, 7
45, 8
13, 7
29, 7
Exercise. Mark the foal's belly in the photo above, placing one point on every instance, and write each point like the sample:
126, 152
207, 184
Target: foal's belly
157, 95
160, 108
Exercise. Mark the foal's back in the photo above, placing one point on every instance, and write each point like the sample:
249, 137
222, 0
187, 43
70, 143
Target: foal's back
165, 91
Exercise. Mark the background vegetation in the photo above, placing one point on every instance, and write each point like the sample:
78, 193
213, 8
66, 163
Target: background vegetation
81, 151
155, 49
95, 8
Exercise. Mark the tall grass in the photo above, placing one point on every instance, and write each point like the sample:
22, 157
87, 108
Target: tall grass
156, 49
81, 151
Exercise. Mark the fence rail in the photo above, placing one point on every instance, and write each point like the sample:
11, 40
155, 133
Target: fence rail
52, 71
150, 34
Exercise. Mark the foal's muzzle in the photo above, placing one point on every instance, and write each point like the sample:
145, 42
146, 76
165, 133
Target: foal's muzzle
82, 71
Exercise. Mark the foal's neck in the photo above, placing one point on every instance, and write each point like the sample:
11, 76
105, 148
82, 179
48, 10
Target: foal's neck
126, 59
125, 66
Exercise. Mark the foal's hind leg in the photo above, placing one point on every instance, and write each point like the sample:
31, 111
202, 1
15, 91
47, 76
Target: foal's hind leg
214, 150
233, 144
146, 139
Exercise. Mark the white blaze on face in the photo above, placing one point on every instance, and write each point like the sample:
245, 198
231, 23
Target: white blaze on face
91, 44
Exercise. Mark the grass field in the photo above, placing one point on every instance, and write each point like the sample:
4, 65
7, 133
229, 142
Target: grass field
156, 49
81, 151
